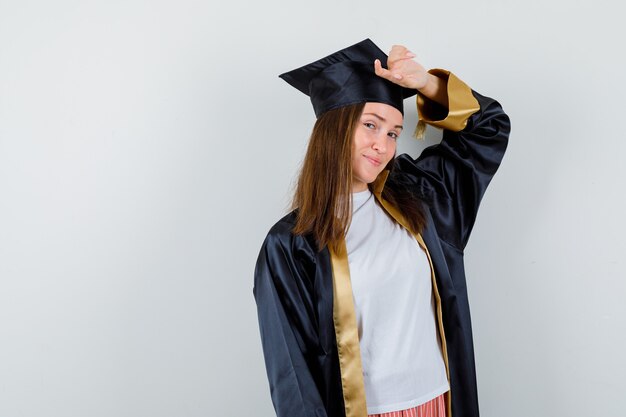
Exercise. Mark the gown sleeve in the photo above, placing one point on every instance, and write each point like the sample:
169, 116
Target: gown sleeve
452, 176
282, 311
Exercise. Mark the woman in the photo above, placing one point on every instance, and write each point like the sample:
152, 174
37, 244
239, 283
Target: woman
360, 289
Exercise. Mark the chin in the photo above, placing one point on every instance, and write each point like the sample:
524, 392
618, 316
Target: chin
366, 177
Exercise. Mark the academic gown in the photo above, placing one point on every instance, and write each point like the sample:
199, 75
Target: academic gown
304, 300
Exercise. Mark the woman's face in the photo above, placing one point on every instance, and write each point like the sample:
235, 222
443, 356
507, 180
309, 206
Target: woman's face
374, 143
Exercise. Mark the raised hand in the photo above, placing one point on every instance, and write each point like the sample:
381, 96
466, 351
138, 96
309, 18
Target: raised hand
402, 69
406, 72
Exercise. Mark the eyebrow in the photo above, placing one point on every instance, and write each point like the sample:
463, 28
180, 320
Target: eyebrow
382, 119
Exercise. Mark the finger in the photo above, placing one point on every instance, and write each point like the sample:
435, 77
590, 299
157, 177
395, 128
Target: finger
380, 71
385, 73
399, 53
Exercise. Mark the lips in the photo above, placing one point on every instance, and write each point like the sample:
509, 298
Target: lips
374, 161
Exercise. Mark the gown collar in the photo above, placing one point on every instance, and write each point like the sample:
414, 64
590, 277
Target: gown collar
379, 183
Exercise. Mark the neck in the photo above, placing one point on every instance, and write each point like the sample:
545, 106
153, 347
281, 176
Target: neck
358, 187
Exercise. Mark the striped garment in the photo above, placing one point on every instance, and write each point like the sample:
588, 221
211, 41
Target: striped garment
433, 408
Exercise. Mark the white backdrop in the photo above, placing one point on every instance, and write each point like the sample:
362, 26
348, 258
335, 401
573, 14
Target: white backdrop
146, 147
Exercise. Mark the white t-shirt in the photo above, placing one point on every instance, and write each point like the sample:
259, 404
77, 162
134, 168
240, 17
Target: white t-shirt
395, 309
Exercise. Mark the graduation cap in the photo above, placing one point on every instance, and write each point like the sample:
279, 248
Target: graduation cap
347, 77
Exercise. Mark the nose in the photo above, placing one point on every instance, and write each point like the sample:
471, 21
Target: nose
380, 143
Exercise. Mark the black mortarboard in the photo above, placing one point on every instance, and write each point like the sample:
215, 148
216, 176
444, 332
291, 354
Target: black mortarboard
347, 77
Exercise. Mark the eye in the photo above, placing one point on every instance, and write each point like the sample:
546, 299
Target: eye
393, 135
369, 125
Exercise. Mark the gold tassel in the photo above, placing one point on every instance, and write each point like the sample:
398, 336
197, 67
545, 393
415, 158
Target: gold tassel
420, 130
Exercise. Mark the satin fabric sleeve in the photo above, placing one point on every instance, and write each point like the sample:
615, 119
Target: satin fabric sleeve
282, 312
452, 176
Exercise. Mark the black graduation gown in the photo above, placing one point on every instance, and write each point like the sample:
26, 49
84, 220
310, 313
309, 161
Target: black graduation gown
294, 288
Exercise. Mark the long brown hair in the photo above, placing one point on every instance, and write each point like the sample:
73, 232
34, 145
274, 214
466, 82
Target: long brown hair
323, 195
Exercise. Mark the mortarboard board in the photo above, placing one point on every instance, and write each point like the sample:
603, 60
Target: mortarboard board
347, 77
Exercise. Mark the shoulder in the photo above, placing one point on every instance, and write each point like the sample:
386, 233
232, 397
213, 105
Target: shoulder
275, 246
406, 178
284, 226
281, 235
285, 253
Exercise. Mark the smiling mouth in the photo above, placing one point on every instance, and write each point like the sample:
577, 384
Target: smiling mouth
373, 161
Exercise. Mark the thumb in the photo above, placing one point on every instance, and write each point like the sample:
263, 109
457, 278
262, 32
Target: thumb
385, 73
380, 71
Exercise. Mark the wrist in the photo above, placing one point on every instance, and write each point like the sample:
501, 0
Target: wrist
429, 86
435, 89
